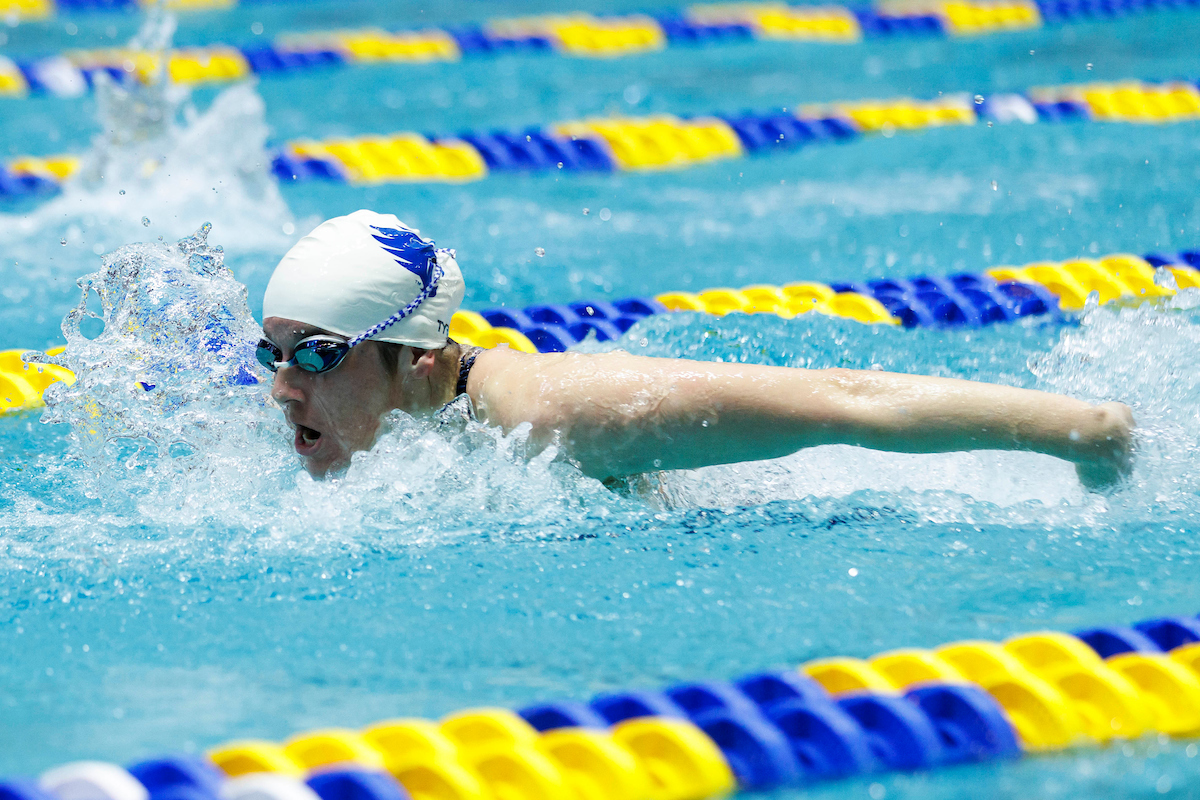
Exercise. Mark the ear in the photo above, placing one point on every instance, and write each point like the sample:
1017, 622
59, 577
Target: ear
423, 362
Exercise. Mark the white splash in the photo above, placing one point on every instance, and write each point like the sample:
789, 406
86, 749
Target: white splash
156, 158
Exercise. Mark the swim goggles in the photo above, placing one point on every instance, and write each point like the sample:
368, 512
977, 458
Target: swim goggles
319, 354
314, 354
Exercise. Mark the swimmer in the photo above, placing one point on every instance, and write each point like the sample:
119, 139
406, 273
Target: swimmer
357, 320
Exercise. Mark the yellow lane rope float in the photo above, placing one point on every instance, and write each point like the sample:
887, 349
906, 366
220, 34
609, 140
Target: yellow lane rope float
906, 709
632, 144
1002, 294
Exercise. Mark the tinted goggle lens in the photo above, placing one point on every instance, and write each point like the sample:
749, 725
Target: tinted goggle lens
311, 355
268, 354
319, 356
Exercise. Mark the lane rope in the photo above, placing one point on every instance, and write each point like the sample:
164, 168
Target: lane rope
572, 34
666, 142
907, 709
1047, 290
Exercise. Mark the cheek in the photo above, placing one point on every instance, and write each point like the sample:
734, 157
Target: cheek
354, 404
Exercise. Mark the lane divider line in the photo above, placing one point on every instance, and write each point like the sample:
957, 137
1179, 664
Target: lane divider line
830, 718
1046, 290
663, 141
582, 35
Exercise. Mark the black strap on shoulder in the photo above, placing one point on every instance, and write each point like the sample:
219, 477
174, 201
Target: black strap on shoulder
466, 361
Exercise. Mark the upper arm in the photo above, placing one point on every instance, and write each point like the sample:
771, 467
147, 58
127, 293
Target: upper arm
619, 414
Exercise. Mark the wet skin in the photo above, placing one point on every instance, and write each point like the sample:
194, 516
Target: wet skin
338, 412
617, 414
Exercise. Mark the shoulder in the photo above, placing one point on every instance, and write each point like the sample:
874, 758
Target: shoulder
500, 381
552, 389
509, 387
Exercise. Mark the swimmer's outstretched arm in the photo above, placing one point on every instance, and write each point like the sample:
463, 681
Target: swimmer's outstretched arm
618, 414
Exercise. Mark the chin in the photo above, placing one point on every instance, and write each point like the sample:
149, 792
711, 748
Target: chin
323, 467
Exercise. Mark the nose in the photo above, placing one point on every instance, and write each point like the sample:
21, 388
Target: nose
284, 388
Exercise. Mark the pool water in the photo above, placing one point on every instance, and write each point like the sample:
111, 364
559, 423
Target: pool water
184, 583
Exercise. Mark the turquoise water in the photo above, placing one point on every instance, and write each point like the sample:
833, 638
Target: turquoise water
186, 584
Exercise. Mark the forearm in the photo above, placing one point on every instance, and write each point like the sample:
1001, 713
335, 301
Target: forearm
917, 414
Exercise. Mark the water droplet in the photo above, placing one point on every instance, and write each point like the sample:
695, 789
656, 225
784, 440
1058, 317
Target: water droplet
122, 191
994, 187
587, 211
540, 252
605, 214
146, 221
256, 28
978, 99
63, 242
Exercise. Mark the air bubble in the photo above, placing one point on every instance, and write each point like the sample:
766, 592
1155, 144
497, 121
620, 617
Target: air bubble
63, 242
587, 211
994, 186
978, 99
539, 252
605, 214
146, 222
121, 192
1089, 66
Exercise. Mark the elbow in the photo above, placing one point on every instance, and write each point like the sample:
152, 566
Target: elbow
843, 376
851, 382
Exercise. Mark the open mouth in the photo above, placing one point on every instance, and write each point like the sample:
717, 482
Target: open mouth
307, 439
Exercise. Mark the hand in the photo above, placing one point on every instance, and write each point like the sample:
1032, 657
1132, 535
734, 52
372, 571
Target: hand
1106, 447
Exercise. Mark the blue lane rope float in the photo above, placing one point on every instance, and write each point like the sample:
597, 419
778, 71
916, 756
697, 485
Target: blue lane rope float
666, 142
902, 710
1048, 290
568, 34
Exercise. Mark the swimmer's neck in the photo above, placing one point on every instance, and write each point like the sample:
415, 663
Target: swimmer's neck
441, 383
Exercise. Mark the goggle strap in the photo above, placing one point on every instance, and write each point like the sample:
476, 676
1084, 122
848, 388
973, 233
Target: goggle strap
421, 297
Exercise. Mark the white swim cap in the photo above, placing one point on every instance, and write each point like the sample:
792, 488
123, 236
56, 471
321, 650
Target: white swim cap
353, 274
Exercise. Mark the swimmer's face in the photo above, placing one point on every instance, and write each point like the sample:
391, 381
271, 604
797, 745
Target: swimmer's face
334, 413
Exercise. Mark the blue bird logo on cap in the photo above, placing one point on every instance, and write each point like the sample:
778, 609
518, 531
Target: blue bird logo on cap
411, 252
